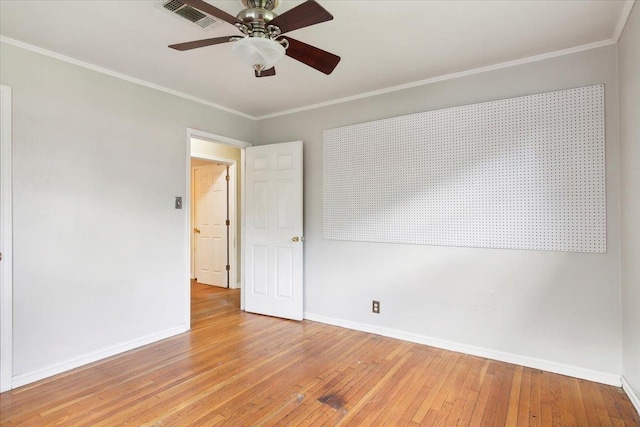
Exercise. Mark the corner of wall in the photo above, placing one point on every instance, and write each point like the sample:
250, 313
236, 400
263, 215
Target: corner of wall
628, 67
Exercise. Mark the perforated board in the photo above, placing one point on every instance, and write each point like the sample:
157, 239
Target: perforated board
520, 173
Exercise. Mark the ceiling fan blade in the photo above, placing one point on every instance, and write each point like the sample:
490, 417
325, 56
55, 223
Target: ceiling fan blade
266, 73
200, 43
211, 10
303, 15
314, 57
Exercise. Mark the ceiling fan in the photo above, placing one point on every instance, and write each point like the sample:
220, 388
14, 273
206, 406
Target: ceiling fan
262, 42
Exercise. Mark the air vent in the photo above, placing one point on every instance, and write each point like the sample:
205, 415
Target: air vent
187, 12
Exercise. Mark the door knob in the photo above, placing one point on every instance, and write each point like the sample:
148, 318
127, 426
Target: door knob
196, 230
295, 239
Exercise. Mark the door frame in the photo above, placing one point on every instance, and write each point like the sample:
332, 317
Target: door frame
233, 205
6, 242
218, 139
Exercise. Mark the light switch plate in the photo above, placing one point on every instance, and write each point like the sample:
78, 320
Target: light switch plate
178, 202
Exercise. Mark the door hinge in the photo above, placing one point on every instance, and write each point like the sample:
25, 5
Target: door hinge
227, 222
228, 178
228, 267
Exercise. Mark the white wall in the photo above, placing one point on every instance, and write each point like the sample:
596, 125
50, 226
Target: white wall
629, 75
100, 253
554, 306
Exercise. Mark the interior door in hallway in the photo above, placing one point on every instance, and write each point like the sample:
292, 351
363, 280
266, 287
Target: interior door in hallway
210, 228
273, 230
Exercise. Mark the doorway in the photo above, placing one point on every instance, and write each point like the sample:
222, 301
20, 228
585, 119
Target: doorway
209, 148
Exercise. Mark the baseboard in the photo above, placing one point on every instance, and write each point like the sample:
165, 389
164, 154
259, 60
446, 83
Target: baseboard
632, 394
530, 362
30, 377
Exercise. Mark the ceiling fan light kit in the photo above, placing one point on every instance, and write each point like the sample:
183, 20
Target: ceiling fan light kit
259, 53
262, 43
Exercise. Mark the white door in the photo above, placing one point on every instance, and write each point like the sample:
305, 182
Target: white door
273, 230
210, 224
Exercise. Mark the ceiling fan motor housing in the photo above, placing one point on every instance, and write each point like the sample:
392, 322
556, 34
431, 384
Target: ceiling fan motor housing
256, 21
256, 15
264, 4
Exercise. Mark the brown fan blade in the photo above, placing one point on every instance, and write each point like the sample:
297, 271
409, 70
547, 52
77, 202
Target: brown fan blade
200, 43
314, 57
303, 15
213, 11
266, 73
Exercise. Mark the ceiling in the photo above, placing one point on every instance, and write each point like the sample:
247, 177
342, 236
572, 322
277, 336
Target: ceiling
383, 44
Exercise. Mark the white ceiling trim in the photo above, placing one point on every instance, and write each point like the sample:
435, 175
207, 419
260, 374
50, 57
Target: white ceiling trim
619, 28
624, 16
112, 73
501, 65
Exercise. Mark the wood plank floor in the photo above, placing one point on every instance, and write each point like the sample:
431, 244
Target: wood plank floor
239, 369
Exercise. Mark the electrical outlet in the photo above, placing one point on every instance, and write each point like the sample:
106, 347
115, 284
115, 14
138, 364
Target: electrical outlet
375, 307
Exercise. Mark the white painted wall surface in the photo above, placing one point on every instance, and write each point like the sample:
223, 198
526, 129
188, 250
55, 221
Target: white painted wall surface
558, 307
6, 239
100, 259
629, 75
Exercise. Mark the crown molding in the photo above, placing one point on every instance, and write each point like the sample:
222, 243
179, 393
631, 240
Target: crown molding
624, 17
112, 73
444, 77
627, 10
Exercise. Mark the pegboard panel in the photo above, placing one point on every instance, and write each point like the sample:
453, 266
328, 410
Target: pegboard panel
520, 173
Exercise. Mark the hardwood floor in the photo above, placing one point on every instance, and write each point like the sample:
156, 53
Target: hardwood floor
239, 369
